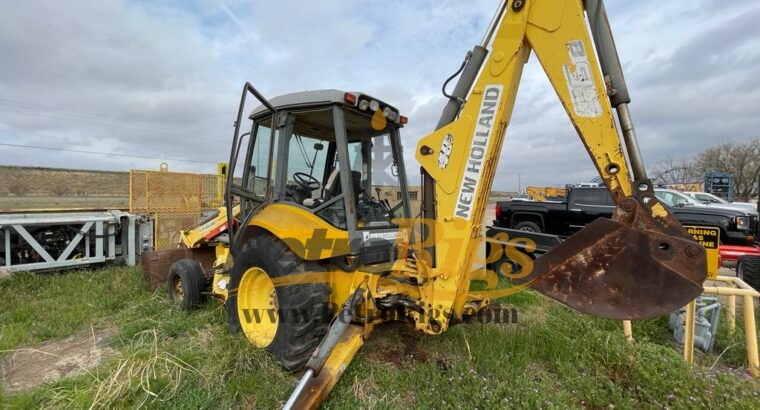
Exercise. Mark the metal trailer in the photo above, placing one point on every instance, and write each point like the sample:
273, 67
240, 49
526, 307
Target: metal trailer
720, 184
50, 241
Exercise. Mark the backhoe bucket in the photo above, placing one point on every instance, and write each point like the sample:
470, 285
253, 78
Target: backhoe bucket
631, 267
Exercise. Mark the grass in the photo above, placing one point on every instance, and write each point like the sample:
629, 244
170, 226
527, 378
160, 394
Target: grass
167, 358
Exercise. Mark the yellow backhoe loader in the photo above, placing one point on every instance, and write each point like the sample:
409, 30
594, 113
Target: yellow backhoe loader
324, 245
543, 194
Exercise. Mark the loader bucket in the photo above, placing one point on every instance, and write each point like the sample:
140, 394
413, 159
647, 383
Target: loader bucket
631, 267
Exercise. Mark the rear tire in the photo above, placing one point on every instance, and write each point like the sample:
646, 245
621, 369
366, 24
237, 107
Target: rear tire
527, 227
290, 339
185, 283
748, 270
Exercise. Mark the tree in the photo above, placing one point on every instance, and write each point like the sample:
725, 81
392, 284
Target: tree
742, 160
675, 172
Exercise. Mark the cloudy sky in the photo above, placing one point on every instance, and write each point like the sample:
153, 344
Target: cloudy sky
154, 81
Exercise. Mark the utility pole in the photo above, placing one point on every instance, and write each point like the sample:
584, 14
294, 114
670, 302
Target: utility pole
519, 183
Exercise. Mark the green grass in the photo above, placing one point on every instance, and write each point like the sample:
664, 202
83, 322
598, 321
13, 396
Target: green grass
167, 358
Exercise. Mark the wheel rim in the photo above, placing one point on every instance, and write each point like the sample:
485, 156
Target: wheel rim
257, 307
179, 293
740, 271
527, 229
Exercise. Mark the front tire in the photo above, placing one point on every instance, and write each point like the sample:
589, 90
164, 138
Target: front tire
748, 270
185, 283
288, 320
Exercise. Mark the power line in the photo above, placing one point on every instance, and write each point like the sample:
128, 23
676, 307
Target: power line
48, 136
103, 153
18, 107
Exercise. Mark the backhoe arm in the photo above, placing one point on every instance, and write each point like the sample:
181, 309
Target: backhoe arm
640, 264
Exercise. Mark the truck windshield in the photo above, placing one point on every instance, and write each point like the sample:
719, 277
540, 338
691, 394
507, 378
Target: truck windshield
706, 198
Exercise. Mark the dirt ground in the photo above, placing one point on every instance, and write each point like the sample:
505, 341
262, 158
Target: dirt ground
29, 367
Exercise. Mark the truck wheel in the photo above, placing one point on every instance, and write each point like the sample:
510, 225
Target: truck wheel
509, 266
748, 270
185, 283
288, 320
527, 227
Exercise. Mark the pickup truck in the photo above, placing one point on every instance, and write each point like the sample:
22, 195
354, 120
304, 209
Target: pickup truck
585, 204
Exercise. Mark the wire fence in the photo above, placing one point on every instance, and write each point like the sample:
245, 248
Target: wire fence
175, 200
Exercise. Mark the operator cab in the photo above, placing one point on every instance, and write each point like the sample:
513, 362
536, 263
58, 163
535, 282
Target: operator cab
331, 153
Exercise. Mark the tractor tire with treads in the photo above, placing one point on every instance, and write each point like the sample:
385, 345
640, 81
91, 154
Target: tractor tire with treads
288, 320
748, 270
185, 283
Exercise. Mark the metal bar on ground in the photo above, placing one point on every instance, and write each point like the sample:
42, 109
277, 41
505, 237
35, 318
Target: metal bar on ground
750, 326
628, 330
99, 239
7, 246
751, 336
73, 244
33, 243
688, 337
731, 315
111, 241
28, 241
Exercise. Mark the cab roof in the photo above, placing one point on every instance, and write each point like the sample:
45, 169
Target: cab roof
314, 98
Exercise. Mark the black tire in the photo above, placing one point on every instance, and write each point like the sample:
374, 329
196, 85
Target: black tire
527, 226
509, 266
185, 283
748, 270
294, 340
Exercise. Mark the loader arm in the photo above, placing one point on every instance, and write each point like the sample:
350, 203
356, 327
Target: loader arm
593, 271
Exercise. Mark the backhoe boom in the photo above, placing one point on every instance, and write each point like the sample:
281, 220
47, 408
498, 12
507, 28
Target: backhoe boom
461, 157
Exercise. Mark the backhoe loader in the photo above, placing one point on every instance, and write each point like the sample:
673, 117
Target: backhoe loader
325, 246
543, 194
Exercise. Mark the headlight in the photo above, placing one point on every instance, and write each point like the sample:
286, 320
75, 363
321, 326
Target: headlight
389, 114
742, 222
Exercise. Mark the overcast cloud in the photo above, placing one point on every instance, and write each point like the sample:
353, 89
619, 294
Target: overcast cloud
163, 78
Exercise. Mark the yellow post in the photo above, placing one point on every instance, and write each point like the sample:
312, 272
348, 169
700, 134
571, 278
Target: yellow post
751, 336
739, 288
628, 330
688, 337
731, 315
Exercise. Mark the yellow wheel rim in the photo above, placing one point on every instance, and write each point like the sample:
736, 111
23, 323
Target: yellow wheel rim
257, 307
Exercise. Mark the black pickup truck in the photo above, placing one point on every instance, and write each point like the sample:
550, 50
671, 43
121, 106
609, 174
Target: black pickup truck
585, 204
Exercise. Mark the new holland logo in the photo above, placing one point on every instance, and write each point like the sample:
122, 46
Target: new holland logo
483, 131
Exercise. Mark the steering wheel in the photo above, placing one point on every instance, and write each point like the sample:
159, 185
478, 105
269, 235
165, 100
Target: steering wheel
306, 181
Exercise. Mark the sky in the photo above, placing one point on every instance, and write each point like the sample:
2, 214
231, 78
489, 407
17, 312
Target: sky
131, 84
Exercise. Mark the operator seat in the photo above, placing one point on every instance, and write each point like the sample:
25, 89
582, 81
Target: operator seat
332, 188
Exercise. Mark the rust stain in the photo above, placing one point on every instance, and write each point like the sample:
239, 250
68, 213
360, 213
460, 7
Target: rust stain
632, 267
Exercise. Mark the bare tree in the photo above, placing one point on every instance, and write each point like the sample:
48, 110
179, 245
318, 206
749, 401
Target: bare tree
742, 160
671, 171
